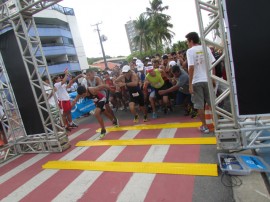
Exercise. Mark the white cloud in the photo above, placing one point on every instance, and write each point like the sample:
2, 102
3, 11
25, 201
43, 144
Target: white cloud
114, 14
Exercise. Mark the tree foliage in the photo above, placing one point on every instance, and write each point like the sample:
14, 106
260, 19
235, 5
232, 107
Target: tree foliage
142, 26
179, 45
153, 28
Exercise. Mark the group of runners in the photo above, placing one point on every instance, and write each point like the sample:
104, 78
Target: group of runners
153, 83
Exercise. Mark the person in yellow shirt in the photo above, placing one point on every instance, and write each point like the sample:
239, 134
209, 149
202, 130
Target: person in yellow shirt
154, 78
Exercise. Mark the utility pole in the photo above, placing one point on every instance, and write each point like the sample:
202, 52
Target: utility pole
100, 40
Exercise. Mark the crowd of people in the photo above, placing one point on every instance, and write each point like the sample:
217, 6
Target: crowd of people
155, 83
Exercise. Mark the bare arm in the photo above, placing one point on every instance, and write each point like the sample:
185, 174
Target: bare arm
64, 80
119, 79
134, 81
99, 81
145, 85
75, 100
74, 79
190, 73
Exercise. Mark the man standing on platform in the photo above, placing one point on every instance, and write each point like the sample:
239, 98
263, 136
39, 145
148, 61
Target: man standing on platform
198, 82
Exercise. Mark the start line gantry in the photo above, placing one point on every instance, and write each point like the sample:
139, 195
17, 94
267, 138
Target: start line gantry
233, 129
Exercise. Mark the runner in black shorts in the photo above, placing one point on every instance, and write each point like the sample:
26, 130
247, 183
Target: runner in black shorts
131, 81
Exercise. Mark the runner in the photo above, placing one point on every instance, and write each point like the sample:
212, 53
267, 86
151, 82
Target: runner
130, 80
155, 79
100, 100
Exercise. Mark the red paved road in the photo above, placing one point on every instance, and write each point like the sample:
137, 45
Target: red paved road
32, 183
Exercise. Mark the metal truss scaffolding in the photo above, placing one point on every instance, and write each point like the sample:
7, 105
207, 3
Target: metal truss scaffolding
18, 14
232, 132
13, 129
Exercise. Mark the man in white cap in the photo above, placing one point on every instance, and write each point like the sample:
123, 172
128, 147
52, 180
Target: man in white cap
130, 80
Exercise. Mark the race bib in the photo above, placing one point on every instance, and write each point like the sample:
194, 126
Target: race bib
135, 94
158, 85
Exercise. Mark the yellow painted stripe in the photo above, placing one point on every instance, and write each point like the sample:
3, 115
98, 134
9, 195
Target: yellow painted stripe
160, 141
137, 167
154, 126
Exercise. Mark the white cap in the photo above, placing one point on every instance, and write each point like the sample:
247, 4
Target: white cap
147, 58
134, 58
172, 63
149, 68
126, 68
138, 62
140, 66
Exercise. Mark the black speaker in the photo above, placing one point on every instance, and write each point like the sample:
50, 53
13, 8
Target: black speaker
249, 34
20, 83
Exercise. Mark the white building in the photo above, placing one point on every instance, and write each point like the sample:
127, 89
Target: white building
60, 38
131, 33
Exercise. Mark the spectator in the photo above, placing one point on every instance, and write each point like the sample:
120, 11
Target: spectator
64, 99
198, 83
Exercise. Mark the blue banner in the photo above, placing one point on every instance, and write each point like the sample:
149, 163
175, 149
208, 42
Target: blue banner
82, 107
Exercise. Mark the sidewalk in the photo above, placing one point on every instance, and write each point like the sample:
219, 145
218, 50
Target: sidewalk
253, 187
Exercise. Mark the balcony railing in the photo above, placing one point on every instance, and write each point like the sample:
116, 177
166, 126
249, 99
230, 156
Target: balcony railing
64, 10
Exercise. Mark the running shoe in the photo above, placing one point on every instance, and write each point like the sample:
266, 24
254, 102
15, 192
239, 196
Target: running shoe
170, 109
204, 129
145, 118
121, 108
136, 118
73, 125
165, 110
154, 115
102, 133
115, 122
194, 114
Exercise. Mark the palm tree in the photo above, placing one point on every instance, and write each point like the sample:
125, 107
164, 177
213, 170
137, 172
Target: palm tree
212, 16
142, 38
159, 23
156, 8
180, 45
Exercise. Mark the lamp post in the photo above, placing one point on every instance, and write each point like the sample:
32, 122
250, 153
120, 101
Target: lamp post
101, 39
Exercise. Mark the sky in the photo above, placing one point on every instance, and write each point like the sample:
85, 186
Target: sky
113, 14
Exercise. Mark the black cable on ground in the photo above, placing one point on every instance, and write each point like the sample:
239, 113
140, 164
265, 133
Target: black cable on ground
230, 180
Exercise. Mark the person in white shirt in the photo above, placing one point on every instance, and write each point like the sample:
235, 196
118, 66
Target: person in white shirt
82, 78
64, 99
198, 82
49, 91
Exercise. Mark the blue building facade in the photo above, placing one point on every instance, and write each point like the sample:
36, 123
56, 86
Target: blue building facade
55, 27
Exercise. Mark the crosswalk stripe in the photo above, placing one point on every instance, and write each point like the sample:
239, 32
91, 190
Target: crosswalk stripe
137, 167
139, 184
87, 178
154, 126
158, 141
44, 175
33, 160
